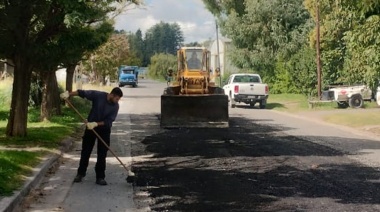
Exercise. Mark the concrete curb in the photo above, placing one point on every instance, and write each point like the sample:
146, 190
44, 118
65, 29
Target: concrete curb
9, 204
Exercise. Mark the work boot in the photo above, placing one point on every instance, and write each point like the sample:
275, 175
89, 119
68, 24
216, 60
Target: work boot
78, 178
101, 181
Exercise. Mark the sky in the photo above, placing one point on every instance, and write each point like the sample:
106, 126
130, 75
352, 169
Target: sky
196, 22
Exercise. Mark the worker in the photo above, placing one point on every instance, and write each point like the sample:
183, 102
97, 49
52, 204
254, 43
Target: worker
194, 62
103, 113
169, 76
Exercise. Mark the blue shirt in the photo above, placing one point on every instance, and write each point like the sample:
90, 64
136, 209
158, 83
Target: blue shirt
102, 109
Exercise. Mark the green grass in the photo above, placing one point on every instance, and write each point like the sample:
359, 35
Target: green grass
354, 119
297, 103
15, 165
287, 102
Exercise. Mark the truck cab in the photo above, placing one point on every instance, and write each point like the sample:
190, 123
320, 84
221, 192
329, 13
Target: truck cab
128, 75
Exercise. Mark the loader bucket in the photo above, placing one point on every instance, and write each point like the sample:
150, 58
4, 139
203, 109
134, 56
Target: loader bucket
194, 111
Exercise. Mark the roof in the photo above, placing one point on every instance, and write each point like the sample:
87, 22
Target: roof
192, 47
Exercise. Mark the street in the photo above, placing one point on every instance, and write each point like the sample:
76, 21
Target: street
265, 161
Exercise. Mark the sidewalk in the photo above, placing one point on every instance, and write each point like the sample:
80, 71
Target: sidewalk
10, 203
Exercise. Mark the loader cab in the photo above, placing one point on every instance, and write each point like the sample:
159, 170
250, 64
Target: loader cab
194, 59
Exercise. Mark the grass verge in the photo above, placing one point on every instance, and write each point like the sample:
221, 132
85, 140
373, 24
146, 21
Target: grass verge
15, 165
357, 118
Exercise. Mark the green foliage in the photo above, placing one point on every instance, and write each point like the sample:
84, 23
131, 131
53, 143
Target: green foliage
5, 95
282, 82
267, 30
363, 47
38, 35
265, 33
162, 38
302, 70
108, 57
160, 63
136, 46
349, 40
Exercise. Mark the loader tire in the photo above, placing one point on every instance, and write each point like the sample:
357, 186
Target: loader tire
232, 105
219, 90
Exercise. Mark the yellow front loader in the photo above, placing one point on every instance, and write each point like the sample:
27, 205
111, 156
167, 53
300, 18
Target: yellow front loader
193, 99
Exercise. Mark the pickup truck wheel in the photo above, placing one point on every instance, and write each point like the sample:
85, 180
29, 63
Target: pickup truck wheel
356, 101
230, 102
263, 104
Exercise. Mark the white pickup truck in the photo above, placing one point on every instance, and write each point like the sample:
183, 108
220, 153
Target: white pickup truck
246, 88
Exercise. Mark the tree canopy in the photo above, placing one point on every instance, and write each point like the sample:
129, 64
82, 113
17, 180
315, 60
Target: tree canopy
160, 38
33, 29
277, 39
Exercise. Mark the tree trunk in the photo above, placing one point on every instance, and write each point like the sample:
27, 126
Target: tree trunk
18, 115
104, 82
69, 77
50, 96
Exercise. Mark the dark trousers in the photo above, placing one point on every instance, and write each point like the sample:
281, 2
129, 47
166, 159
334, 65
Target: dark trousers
88, 142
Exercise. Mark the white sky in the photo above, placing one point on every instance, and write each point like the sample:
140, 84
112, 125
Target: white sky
196, 22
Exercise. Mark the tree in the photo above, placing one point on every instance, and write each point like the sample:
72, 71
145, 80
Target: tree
349, 40
136, 45
263, 32
25, 28
160, 64
162, 38
79, 44
68, 48
110, 56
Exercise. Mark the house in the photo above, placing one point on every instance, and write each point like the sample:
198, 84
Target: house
226, 66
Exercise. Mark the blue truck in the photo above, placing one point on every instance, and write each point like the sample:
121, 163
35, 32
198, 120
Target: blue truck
128, 75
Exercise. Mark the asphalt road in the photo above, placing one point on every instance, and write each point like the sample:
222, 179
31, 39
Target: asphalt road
265, 161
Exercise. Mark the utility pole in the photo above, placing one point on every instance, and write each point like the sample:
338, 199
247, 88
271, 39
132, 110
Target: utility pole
217, 49
319, 71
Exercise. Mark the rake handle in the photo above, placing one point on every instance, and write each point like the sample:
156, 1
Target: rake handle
97, 135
